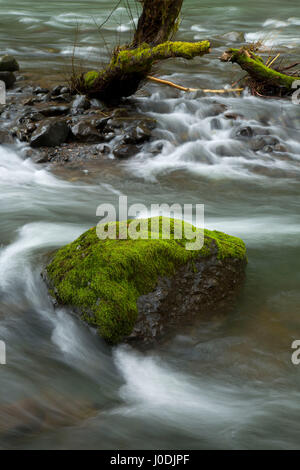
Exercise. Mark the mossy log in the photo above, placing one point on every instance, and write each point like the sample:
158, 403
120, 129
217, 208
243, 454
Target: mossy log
268, 78
128, 67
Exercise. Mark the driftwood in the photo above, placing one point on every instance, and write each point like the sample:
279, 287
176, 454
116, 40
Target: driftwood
189, 90
131, 64
263, 78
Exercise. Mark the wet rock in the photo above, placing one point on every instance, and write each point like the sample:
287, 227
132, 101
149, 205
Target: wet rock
84, 132
80, 104
160, 285
57, 90
125, 151
42, 157
137, 135
63, 98
40, 91
8, 64
109, 136
50, 134
234, 36
55, 111
234, 116
259, 143
280, 148
30, 115
8, 78
244, 132
33, 100
6, 137
102, 148
65, 90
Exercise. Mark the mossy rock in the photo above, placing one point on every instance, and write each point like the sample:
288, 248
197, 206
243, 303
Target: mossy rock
105, 281
8, 64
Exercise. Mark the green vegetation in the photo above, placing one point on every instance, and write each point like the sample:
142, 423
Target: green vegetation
257, 70
104, 278
128, 62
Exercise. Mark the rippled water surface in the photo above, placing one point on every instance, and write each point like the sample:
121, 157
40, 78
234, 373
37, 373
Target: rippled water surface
227, 382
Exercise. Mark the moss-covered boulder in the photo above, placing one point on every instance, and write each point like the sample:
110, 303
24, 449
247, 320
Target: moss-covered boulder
8, 64
135, 289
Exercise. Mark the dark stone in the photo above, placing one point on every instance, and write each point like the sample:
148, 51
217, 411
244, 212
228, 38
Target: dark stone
63, 98
50, 134
65, 90
55, 111
207, 285
80, 104
8, 78
245, 131
102, 148
56, 90
30, 115
40, 91
125, 151
259, 143
8, 64
84, 132
138, 135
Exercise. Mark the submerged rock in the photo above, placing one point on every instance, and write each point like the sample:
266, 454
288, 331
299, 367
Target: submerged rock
8, 64
138, 289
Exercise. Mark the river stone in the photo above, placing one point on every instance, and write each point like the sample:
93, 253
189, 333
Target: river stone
50, 133
8, 64
84, 131
80, 104
8, 78
6, 137
51, 111
125, 151
140, 289
234, 36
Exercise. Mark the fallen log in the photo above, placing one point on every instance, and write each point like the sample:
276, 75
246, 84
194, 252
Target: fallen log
130, 64
264, 79
128, 67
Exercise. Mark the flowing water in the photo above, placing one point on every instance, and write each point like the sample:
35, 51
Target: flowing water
224, 382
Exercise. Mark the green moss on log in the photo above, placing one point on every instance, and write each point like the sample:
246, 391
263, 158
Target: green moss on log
104, 278
139, 61
255, 67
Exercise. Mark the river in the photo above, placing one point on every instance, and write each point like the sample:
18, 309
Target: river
226, 382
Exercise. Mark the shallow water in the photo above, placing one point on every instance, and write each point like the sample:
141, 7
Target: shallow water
224, 382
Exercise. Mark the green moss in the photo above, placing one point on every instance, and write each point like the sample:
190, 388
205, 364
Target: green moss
104, 278
90, 78
254, 65
143, 57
